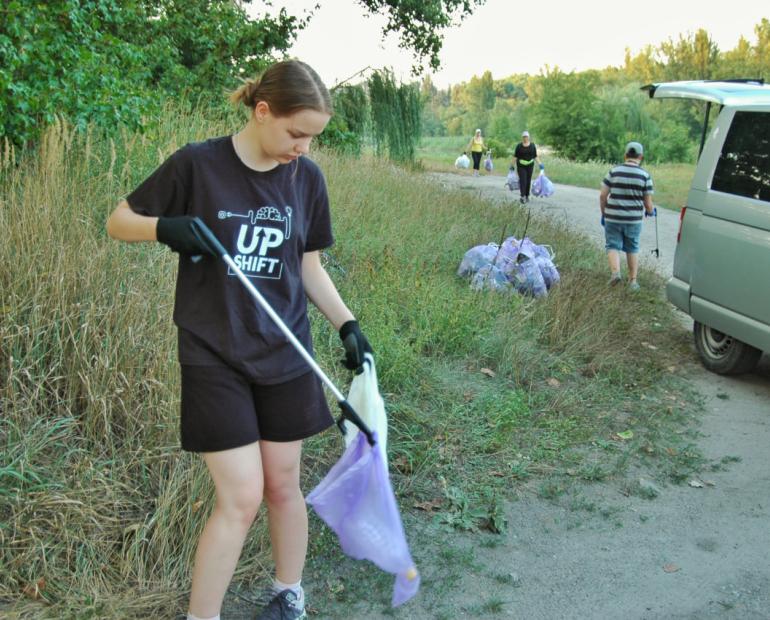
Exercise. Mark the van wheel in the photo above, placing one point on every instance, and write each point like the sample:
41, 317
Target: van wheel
724, 354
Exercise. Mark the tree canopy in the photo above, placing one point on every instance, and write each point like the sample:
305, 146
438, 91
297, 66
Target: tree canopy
420, 24
111, 62
591, 114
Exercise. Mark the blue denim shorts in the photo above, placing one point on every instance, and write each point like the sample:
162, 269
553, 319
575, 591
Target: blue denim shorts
623, 237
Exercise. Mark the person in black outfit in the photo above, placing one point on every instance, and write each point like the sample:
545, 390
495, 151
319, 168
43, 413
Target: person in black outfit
525, 156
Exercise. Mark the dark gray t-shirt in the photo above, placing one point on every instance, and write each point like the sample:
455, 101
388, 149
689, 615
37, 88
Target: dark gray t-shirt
266, 221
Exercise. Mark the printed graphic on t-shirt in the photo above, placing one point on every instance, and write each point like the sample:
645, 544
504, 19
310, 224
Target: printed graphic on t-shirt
259, 238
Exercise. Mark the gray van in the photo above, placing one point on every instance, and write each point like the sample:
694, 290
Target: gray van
722, 263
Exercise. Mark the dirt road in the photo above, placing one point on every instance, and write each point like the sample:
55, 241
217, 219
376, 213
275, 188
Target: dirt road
690, 553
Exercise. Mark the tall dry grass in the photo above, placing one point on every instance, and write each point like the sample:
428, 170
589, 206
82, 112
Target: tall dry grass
100, 509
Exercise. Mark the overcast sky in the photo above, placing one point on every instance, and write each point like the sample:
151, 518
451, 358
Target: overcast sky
509, 36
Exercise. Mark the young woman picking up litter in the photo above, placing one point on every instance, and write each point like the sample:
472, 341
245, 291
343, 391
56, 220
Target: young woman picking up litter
248, 398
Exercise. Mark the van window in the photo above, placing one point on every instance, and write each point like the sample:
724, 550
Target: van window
744, 165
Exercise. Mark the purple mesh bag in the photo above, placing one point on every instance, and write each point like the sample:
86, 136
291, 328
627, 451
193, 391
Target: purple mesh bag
356, 501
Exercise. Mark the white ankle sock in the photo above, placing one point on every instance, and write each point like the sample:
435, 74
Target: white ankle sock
191, 617
280, 586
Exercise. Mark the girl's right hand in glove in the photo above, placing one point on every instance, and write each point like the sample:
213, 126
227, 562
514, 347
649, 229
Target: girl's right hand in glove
180, 235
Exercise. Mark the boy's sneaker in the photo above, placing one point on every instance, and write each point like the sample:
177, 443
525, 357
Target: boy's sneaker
634, 286
615, 279
283, 606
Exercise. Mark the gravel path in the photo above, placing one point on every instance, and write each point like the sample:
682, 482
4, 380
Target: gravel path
691, 552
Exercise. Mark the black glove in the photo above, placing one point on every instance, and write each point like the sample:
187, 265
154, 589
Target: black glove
355, 344
180, 235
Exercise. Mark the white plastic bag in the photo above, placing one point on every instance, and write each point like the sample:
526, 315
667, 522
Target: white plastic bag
364, 397
462, 161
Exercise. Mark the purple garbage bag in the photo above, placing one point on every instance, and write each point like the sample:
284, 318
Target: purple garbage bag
476, 258
542, 186
533, 283
488, 165
490, 277
508, 251
512, 180
544, 259
356, 501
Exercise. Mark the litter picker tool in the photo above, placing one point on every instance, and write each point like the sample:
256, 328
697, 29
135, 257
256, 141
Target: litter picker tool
348, 413
656, 251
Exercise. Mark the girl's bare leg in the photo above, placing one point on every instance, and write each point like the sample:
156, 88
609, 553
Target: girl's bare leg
287, 513
237, 476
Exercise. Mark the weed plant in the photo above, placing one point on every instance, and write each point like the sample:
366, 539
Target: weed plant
101, 510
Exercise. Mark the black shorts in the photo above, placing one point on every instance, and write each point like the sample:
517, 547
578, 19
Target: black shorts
221, 409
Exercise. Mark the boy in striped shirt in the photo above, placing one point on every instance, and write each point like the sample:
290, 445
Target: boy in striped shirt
625, 199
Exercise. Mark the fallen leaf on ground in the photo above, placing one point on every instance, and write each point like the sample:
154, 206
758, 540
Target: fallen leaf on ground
626, 435
671, 568
553, 382
697, 484
671, 451
652, 347
488, 372
35, 590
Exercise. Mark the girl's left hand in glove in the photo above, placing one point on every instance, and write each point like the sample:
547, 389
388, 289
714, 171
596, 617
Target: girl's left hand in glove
355, 344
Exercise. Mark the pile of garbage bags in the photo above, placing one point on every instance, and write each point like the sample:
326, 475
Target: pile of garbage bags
520, 266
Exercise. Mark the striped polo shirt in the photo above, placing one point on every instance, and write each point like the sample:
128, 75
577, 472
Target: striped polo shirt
628, 183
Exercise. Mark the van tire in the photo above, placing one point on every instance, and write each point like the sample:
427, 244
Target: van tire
724, 354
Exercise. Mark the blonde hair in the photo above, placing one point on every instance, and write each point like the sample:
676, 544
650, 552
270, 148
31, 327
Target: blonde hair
287, 87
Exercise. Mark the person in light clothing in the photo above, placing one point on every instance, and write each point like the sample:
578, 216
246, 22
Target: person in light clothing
476, 146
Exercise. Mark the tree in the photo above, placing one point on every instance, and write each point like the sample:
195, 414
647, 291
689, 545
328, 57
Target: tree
113, 61
420, 24
644, 67
690, 58
569, 115
396, 116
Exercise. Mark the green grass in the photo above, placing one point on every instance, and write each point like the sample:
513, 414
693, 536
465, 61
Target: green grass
672, 181
101, 511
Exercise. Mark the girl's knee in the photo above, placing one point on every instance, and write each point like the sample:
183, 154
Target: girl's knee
241, 507
282, 491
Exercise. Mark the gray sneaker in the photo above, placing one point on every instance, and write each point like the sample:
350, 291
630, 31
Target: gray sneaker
283, 606
615, 279
634, 286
